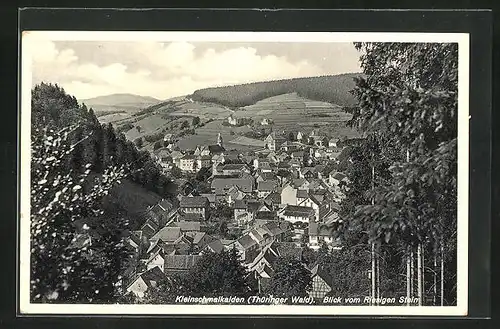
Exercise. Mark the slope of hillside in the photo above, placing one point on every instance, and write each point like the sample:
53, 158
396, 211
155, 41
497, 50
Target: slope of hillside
119, 102
131, 201
333, 89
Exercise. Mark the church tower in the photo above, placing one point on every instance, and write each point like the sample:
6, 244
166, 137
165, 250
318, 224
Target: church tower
219, 140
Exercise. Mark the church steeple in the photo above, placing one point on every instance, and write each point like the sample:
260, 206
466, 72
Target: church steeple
219, 140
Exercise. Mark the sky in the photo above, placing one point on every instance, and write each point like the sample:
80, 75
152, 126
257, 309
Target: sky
163, 70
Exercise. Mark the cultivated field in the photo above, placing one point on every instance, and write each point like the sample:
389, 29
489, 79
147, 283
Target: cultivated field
113, 117
289, 112
202, 110
208, 135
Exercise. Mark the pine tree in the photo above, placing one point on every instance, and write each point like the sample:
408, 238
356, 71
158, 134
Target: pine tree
408, 106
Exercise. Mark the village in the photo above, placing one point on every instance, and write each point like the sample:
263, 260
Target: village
274, 201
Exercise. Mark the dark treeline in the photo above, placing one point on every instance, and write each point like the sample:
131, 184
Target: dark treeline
96, 144
332, 89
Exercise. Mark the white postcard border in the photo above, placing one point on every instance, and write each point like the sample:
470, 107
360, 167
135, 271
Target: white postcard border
27, 308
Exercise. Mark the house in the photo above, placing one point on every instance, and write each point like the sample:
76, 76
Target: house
167, 234
187, 163
316, 185
158, 245
211, 197
264, 262
289, 195
246, 246
161, 212
262, 176
262, 236
283, 166
318, 141
333, 142
274, 141
149, 228
178, 264
332, 153
294, 214
228, 244
266, 187
233, 169
276, 232
301, 184
234, 193
156, 259
256, 162
310, 201
319, 170
263, 164
266, 167
176, 155
134, 240
188, 226
199, 239
216, 149
320, 233
163, 155
335, 178
322, 282
283, 158
168, 138
218, 159
300, 136
240, 212
307, 172
266, 122
272, 157
204, 161
183, 245
211, 150
297, 155
195, 205
215, 246
302, 195
262, 217
202, 150
321, 153
287, 146
221, 185
254, 207
189, 217
296, 163
233, 121
144, 281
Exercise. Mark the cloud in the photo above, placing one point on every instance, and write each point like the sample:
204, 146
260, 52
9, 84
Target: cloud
161, 70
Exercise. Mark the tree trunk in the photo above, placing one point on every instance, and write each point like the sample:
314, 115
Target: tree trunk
373, 276
434, 298
408, 276
378, 271
412, 272
419, 273
423, 274
442, 274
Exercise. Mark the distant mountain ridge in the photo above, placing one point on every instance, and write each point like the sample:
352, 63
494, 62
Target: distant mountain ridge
334, 89
121, 98
120, 102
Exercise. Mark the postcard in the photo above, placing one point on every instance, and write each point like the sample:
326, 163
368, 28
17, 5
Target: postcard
243, 173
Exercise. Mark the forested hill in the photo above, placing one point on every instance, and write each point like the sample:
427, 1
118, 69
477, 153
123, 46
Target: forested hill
333, 89
99, 146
